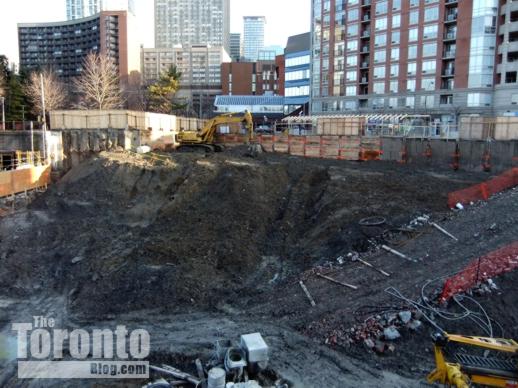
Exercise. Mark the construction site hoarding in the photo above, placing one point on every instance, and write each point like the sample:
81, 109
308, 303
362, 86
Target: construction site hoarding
24, 179
484, 128
112, 119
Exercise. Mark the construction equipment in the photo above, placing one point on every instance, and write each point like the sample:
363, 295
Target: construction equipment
205, 138
495, 365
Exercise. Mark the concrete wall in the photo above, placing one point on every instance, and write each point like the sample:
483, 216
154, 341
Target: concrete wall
471, 152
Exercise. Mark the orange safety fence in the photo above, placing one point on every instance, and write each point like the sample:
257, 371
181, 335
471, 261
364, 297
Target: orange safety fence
483, 191
486, 267
23, 179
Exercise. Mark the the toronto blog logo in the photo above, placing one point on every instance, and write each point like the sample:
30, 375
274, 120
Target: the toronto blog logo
47, 352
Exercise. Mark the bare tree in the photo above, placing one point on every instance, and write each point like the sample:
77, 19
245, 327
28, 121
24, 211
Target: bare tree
99, 84
53, 89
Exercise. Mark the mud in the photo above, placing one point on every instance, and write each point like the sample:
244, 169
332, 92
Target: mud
196, 248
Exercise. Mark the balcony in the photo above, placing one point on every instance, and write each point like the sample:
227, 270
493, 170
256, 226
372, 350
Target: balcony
450, 18
366, 18
364, 80
448, 72
366, 3
364, 65
366, 49
366, 34
449, 54
449, 35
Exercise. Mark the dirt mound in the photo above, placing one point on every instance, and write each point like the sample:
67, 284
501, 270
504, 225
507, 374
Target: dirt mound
125, 232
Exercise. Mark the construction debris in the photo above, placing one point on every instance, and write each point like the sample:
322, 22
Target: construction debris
399, 254
357, 258
170, 371
336, 281
306, 291
436, 226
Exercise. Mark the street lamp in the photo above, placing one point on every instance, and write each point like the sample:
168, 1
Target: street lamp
3, 113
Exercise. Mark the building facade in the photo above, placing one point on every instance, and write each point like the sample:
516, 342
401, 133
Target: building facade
297, 71
78, 9
192, 22
63, 46
436, 57
235, 47
250, 78
200, 66
264, 109
253, 37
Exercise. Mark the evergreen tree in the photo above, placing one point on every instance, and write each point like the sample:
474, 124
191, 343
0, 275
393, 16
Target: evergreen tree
161, 94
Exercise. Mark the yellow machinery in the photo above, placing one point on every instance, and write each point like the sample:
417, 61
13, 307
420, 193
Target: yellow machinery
498, 370
205, 138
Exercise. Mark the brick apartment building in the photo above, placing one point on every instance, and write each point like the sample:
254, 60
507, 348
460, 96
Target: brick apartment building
253, 78
439, 57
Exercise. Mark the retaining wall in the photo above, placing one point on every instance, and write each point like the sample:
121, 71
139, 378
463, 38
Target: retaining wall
471, 152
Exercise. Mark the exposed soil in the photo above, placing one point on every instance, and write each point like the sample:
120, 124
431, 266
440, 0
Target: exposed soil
196, 248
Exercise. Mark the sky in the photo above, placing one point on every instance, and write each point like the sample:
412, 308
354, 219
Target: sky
283, 18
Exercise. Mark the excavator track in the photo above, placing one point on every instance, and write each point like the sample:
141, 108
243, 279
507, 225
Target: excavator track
190, 148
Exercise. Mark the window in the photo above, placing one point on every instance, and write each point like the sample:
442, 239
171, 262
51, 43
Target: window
414, 3
350, 105
429, 66
412, 68
394, 86
479, 99
380, 40
430, 32
393, 102
396, 21
350, 91
352, 45
410, 85
396, 37
379, 72
410, 102
353, 15
431, 14
394, 70
352, 29
380, 55
351, 76
427, 101
381, 24
510, 77
428, 83
413, 34
414, 17
378, 88
396, 5
381, 7
302, 60
352, 60
430, 50
394, 54
412, 52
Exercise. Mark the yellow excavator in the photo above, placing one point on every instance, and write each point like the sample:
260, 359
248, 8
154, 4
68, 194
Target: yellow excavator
205, 138
494, 364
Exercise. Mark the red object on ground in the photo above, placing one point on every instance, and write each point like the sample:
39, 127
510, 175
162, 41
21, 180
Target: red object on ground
493, 264
483, 191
